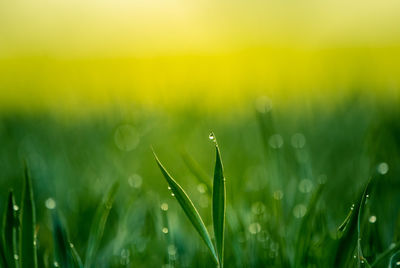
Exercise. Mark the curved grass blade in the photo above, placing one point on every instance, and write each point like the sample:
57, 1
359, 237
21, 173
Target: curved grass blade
219, 203
62, 249
28, 251
188, 207
384, 255
352, 232
98, 225
395, 260
10, 232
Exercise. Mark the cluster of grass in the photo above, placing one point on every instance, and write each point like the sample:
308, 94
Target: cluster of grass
316, 190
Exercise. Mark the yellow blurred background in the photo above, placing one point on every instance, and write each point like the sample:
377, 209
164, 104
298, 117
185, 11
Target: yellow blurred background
74, 56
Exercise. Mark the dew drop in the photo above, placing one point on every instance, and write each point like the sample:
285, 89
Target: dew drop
50, 203
278, 195
254, 228
165, 230
16, 208
398, 263
299, 211
258, 208
352, 207
71, 245
164, 206
202, 188
16, 257
172, 194
383, 168
275, 141
169, 188
305, 186
135, 181
211, 136
56, 264
372, 219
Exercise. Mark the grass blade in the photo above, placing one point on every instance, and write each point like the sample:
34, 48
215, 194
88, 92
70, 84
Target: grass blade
62, 249
384, 255
10, 232
188, 207
28, 254
219, 204
394, 260
98, 225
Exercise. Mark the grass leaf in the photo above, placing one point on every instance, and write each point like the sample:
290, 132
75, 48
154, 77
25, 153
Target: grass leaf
28, 254
394, 260
219, 204
62, 249
188, 207
10, 232
98, 225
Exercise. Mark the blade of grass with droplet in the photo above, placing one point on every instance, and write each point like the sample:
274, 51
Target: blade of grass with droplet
62, 250
344, 250
98, 225
385, 255
10, 232
394, 261
28, 251
188, 207
219, 204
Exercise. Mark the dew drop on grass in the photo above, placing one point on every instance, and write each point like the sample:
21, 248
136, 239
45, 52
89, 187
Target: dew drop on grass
299, 211
165, 230
372, 219
305, 186
172, 194
202, 188
16, 208
298, 141
383, 168
164, 206
258, 208
56, 264
275, 141
352, 207
169, 188
126, 137
135, 181
16, 257
50, 203
254, 228
211, 136
71, 245
398, 263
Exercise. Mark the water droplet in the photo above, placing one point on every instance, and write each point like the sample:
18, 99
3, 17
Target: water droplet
171, 249
16, 208
165, 230
172, 194
372, 219
16, 257
275, 141
263, 104
278, 195
202, 188
354, 256
135, 181
211, 136
56, 264
254, 228
50, 203
383, 168
352, 207
398, 263
164, 206
298, 141
169, 188
71, 245
299, 210
305, 186
126, 137
367, 196
258, 208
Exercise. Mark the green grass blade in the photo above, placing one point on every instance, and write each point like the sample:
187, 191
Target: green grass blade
188, 207
98, 225
28, 254
394, 260
10, 232
219, 204
385, 255
62, 252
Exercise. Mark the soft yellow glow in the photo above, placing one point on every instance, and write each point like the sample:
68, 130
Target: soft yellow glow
88, 55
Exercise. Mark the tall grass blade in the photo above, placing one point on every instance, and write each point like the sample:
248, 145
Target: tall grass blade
219, 204
188, 207
62, 249
28, 254
10, 232
98, 225
385, 255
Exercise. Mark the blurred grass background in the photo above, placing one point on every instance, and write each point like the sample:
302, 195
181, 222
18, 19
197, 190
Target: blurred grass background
297, 92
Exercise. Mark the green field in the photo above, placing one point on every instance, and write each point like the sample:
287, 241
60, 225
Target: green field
295, 186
